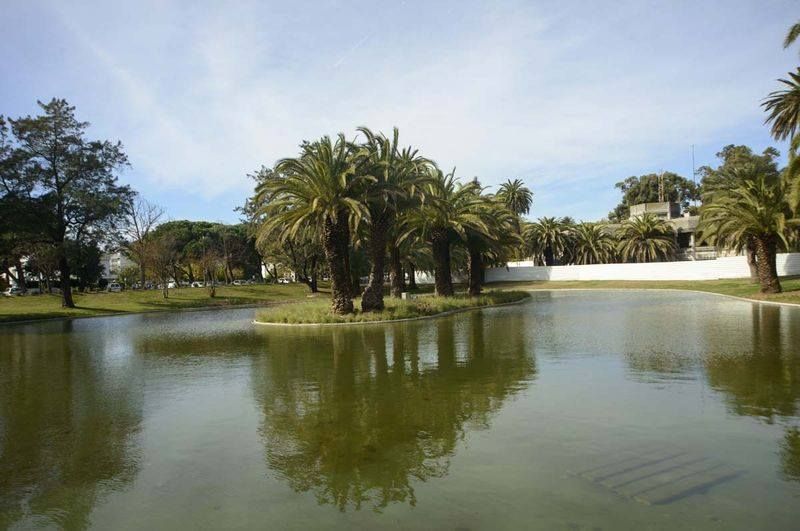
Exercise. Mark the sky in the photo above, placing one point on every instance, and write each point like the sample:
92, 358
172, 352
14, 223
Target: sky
570, 97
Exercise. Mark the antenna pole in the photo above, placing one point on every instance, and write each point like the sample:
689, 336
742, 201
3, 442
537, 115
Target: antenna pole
694, 176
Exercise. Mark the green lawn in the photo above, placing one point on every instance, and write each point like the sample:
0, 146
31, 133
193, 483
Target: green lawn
736, 287
45, 306
319, 311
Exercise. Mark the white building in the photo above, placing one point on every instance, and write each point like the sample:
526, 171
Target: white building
113, 263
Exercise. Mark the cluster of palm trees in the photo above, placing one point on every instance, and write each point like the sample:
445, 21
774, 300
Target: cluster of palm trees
393, 203
550, 241
403, 211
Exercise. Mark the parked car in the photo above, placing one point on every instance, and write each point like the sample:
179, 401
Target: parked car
198, 284
239, 282
172, 284
13, 292
114, 287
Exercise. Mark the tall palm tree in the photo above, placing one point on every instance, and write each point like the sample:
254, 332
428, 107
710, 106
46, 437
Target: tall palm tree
646, 238
517, 197
396, 177
547, 237
448, 210
322, 188
494, 241
592, 243
757, 210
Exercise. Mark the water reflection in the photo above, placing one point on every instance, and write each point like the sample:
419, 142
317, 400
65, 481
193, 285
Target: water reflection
68, 417
764, 382
367, 412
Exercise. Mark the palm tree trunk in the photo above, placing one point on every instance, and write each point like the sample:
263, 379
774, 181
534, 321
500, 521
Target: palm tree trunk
751, 260
412, 276
335, 241
443, 280
475, 267
766, 249
372, 298
549, 257
397, 280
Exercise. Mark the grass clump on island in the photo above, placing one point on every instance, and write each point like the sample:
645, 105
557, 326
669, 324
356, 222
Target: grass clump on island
319, 311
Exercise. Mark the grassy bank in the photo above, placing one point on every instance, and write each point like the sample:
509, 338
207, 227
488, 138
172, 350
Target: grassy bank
735, 287
319, 311
90, 304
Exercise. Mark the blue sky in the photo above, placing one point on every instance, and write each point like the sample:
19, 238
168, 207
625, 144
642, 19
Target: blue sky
571, 97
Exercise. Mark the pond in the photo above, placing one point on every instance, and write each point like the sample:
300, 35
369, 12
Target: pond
575, 410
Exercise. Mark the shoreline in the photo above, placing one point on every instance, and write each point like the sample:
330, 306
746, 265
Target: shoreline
449, 312
147, 312
407, 319
735, 297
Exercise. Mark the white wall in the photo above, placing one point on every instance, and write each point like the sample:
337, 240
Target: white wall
725, 267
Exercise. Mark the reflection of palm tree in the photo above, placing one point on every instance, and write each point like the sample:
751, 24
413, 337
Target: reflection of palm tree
69, 436
341, 422
765, 384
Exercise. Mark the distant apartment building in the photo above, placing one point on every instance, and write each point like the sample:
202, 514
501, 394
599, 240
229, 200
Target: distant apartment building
113, 263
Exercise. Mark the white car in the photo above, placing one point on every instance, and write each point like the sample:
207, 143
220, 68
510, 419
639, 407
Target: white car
283, 281
114, 287
172, 284
198, 284
239, 282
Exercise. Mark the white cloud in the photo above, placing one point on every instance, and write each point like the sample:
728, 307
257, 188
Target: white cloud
558, 94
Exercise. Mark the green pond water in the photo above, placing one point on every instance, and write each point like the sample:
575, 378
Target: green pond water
576, 410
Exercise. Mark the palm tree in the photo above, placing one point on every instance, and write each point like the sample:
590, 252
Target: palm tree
516, 196
321, 188
646, 239
448, 210
492, 242
783, 107
757, 210
396, 175
547, 237
592, 243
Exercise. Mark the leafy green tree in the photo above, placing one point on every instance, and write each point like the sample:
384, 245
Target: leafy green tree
127, 276
84, 258
756, 210
448, 211
592, 243
645, 189
72, 178
516, 196
646, 239
320, 188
